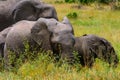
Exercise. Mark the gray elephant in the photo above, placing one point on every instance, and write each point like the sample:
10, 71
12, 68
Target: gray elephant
46, 34
91, 46
12, 11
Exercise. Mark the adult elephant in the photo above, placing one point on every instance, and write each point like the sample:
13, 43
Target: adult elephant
12, 11
46, 34
91, 46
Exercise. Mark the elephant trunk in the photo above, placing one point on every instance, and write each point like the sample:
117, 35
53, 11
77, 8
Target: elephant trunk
64, 47
67, 54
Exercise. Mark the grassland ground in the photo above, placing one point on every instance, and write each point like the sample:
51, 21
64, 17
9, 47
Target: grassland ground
102, 22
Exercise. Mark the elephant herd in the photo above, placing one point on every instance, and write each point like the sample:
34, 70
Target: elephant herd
37, 23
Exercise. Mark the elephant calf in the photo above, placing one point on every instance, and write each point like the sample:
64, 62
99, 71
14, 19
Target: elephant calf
91, 46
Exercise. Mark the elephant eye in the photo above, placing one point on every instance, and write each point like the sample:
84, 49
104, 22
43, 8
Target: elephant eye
56, 34
56, 23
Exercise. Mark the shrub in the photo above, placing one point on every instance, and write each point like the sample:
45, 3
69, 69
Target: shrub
58, 2
72, 15
69, 1
86, 1
90, 1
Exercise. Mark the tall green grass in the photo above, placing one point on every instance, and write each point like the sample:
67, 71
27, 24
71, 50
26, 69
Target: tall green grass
43, 68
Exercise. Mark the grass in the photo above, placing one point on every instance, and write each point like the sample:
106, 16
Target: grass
104, 23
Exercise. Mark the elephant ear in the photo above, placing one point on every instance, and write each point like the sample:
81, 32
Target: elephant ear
24, 10
67, 22
48, 11
41, 34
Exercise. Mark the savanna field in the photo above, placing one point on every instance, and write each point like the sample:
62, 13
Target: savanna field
87, 20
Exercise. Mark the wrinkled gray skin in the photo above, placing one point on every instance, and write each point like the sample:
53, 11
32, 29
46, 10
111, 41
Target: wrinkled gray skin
12, 11
48, 34
91, 46
3, 35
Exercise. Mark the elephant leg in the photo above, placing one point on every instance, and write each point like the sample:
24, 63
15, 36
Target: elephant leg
88, 58
9, 58
6, 60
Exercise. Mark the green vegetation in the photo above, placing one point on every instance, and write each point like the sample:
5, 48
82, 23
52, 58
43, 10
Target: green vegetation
90, 1
69, 1
72, 15
104, 23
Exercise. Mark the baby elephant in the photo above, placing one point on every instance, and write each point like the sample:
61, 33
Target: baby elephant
91, 46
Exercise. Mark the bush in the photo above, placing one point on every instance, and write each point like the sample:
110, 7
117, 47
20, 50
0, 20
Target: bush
104, 1
59, 2
72, 15
80, 1
86, 1
69, 1
89, 1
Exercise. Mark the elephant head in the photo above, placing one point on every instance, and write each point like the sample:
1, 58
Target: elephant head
58, 34
32, 10
90, 47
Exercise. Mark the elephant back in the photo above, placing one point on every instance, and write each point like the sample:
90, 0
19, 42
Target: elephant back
18, 34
